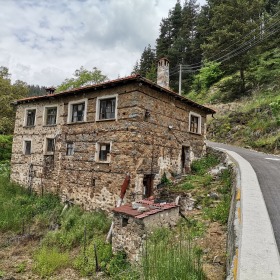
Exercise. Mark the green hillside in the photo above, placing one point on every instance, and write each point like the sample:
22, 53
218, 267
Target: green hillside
251, 120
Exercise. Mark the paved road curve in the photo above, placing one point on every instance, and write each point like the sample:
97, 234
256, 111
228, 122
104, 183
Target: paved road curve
267, 168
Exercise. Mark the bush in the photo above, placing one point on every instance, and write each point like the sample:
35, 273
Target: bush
5, 147
172, 258
207, 76
202, 165
48, 260
73, 225
18, 207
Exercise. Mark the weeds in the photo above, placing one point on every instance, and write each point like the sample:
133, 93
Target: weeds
18, 208
172, 258
48, 260
202, 165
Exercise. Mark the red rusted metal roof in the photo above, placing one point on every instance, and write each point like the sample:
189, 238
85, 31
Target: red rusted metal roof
107, 84
152, 207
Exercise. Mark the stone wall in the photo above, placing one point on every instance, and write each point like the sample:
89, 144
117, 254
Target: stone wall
132, 236
146, 138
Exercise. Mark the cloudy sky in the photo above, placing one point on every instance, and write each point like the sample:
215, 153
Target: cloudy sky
45, 41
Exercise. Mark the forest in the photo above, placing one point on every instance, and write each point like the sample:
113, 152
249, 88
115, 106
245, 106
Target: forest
219, 39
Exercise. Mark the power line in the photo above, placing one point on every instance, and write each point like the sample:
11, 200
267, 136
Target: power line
268, 31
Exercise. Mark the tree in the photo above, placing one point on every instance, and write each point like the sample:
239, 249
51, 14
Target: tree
8, 93
231, 22
83, 77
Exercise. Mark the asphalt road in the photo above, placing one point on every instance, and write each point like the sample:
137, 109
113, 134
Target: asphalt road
267, 168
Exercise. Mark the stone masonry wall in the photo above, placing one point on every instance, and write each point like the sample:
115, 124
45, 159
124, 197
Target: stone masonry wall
146, 138
131, 237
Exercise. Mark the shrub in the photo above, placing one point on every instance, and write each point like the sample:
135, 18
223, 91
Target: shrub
5, 147
201, 166
73, 225
207, 76
48, 260
172, 258
18, 207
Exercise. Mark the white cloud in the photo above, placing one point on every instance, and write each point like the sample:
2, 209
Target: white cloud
43, 42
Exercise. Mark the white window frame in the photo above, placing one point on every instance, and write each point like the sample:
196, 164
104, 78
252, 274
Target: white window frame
45, 118
24, 146
46, 145
199, 122
70, 142
70, 110
25, 116
97, 151
98, 107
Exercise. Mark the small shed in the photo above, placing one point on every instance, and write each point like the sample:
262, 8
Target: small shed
132, 223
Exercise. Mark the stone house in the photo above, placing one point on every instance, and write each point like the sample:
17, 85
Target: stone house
132, 224
81, 143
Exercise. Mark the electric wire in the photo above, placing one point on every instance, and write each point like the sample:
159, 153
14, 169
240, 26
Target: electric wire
267, 32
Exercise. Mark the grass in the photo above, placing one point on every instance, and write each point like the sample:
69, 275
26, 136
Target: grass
80, 236
76, 230
167, 256
18, 209
48, 260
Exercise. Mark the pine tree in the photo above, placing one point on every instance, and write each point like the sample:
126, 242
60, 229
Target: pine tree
231, 22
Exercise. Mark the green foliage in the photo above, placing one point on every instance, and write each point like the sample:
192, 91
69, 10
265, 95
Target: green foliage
18, 208
172, 258
208, 75
201, 166
83, 77
48, 260
275, 108
21, 267
5, 147
115, 265
265, 68
8, 93
73, 225
220, 213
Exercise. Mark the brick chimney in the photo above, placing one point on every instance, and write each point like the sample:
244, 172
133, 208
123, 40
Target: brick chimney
163, 73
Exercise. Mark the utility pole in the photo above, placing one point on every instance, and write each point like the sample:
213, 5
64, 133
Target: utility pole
180, 80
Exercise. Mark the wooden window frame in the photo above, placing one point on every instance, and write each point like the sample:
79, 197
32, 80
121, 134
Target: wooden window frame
70, 150
25, 147
26, 119
99, 102
191, 126
71, 106
98, 152
46, 115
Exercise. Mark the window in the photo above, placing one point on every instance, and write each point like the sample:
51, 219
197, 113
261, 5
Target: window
50, 145
103, 150
195, 123
27, 147
51, 115
77, 111
70, 149
124, 221
30, 117
106, 108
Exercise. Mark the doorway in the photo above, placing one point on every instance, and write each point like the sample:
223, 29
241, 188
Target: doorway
185, 160
148, 182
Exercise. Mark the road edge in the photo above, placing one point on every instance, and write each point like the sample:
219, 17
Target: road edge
257, 255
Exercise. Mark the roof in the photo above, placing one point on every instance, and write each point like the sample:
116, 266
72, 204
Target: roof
112, 83
152, 208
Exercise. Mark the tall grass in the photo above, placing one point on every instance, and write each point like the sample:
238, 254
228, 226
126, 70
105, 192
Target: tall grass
170, 257
18, 208
48, 260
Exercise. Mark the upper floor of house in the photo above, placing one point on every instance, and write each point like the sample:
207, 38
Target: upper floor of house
131, 99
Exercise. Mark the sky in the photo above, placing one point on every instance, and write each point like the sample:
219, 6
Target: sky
43, 42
